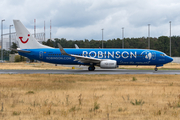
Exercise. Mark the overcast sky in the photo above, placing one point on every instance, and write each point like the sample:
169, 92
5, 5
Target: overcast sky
84, 19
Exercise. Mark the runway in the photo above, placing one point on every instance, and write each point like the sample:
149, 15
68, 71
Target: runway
114, 71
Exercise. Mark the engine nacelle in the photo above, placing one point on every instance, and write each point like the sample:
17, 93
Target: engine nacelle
108, 64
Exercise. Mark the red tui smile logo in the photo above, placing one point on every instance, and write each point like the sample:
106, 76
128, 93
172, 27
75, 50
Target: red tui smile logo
24, 41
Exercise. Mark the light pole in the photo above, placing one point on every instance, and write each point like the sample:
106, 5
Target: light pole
148, 36
50, 30
10, 36
170, 38
123, 37
35, 28
2, 39
44, 31
102, 38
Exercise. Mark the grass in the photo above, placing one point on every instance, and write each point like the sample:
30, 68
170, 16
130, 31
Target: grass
30, 92
134, 79
121, 109
16, 113
137, 102
31, 66
38, 96
169, 66
96, 106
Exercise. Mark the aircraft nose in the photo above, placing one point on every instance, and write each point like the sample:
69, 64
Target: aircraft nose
169, 59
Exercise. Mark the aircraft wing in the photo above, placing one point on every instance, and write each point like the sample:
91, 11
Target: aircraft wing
81, 58
86, 59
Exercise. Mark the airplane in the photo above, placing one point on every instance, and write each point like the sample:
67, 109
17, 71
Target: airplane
103, 58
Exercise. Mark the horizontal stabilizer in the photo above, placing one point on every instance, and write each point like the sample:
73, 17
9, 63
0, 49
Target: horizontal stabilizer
23, 51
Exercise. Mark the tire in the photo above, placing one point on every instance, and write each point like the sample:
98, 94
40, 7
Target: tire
91, 68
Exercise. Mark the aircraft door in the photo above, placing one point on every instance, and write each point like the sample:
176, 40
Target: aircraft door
41, 54
153, 56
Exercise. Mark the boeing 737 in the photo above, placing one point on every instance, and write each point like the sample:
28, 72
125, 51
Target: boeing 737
104, 58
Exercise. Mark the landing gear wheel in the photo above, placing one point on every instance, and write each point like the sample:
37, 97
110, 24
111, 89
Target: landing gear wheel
156, 69
91, 68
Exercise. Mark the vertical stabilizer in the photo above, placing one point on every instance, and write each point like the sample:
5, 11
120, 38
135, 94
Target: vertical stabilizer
25, 39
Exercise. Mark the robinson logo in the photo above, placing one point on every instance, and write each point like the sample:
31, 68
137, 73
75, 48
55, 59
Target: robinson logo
147, 54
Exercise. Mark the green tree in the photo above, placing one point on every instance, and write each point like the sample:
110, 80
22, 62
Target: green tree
48, 43
163, 44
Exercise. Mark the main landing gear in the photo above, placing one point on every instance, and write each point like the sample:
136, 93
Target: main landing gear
91, 68
156, 69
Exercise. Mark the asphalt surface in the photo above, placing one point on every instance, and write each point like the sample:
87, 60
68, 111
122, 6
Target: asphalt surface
99, 71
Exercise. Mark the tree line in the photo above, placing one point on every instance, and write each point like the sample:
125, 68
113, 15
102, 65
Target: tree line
161, 43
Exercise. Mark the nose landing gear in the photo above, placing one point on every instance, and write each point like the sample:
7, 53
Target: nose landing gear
156, 69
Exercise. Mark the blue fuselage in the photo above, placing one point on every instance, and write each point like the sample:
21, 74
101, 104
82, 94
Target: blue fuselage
122, 56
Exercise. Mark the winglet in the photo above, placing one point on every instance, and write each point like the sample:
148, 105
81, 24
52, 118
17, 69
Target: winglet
76, 46
62, 50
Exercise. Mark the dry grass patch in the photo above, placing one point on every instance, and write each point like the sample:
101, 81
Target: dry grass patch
32, 66
175, 66
52, 96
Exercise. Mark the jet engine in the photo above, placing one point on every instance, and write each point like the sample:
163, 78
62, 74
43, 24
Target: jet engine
108, 64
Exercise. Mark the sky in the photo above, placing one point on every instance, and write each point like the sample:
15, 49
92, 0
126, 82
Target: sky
85, 19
